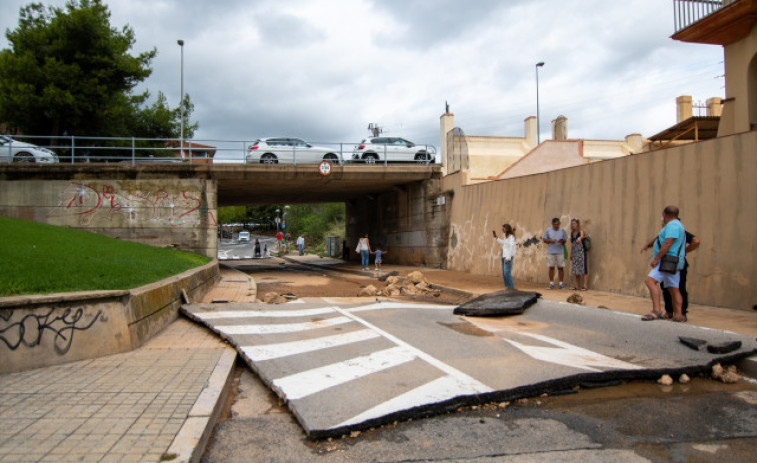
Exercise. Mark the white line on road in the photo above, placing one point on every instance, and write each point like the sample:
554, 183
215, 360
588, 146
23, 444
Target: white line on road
263, 313
435, 391
569, 355
282, 328
309, 382
284, 349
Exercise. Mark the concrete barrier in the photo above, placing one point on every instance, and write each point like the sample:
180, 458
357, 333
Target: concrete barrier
46, 330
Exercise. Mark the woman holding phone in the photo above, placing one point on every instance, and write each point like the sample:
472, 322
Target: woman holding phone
508, 253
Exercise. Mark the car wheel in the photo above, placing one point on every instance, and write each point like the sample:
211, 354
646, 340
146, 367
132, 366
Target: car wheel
24, 157
269, 158
331, 157
421, 158
370, 158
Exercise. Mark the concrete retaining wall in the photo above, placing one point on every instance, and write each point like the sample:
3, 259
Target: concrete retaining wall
620, 202
40, 331
177, 212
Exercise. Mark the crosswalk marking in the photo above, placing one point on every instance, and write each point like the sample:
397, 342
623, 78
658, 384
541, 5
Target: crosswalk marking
437, 390
309, 382
264, 313
282, 328
569, 355
285, 349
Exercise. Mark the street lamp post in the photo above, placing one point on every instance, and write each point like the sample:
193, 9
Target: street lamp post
181, 103
538, 133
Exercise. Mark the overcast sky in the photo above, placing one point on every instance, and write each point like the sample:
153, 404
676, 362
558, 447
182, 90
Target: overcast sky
323, 70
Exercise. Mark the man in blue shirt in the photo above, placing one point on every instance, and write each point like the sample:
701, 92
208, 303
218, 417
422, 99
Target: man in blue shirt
555, 238
671, 241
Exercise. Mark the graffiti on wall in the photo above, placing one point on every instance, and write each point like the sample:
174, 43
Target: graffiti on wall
31, 328
102, 204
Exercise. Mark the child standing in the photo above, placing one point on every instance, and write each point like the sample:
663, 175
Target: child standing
378, 252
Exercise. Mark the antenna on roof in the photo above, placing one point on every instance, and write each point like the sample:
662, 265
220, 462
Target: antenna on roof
374, 129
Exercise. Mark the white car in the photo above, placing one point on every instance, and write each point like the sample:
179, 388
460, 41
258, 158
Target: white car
392, 149
18, 151
244, 236
291, 150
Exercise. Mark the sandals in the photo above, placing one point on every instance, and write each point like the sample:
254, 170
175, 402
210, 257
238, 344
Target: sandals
679, 320
573, 288
652, 316
584, 289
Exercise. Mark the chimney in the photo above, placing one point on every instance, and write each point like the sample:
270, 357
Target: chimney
634, 143
560, 128
683, 108
530, 131
714, 106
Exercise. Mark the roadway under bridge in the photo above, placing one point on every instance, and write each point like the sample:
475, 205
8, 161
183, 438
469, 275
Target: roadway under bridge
176, 204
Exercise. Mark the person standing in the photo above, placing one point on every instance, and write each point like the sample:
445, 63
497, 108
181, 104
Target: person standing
301, 244
257, 247
692, 243
670, 242
578, 258
364, 248
555, 238
279, 237
508, 253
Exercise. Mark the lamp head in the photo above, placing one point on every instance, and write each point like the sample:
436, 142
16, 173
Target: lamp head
540, 64
181, 43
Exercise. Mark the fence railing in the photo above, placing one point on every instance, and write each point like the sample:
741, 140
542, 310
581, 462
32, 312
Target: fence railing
134, 150
687, 12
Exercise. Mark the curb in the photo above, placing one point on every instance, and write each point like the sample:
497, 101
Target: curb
189, 444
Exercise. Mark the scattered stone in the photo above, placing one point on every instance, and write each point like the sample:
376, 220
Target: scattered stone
415, 277
505, 302
503, 404
354, 434
724, 348
386, 276
693, 343
665, 380
273, 298
684, 379
576, 298
368, 291
394, 280
717, 371
408, 290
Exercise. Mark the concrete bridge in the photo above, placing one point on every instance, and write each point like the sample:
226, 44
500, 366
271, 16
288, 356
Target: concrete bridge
176, 204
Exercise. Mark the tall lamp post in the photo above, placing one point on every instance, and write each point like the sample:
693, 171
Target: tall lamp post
538, 134
181, 103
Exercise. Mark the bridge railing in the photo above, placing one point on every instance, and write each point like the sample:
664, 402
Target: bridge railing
136, 150
687, 12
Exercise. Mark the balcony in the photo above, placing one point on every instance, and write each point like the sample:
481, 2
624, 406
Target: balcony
687, 12
717, 22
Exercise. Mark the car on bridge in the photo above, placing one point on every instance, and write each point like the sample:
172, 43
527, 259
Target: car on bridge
18, 151
392, 149
292, 150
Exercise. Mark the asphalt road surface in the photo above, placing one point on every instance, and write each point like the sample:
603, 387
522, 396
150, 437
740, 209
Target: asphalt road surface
545, 350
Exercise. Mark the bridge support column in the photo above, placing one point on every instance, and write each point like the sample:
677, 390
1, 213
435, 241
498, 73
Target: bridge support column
410, 222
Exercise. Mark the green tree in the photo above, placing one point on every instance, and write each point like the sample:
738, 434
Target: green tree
69, 71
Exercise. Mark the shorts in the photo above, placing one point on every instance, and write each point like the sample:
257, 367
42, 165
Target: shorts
671, 280
556, 260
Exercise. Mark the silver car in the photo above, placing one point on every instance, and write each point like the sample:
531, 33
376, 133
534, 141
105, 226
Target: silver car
292, 150
392, 149
18, 151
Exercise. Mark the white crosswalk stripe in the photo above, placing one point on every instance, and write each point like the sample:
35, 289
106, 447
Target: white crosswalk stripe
282, 328
285, 349
312, 381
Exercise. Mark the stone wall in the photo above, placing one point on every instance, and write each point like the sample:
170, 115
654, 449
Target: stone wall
620, 202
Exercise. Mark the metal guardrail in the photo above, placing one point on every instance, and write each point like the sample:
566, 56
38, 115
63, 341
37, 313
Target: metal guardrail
687, 12
134, 150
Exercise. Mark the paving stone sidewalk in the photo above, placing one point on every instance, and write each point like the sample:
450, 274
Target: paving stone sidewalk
155, 403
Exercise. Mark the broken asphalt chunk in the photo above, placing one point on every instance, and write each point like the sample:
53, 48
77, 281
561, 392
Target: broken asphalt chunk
693, 343
724, 348
505, 302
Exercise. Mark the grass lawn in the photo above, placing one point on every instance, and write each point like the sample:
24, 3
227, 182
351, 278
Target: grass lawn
37, 258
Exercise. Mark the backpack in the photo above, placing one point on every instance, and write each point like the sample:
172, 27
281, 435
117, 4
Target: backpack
586, 242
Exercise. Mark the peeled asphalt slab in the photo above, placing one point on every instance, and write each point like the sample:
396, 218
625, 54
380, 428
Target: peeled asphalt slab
350, 367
